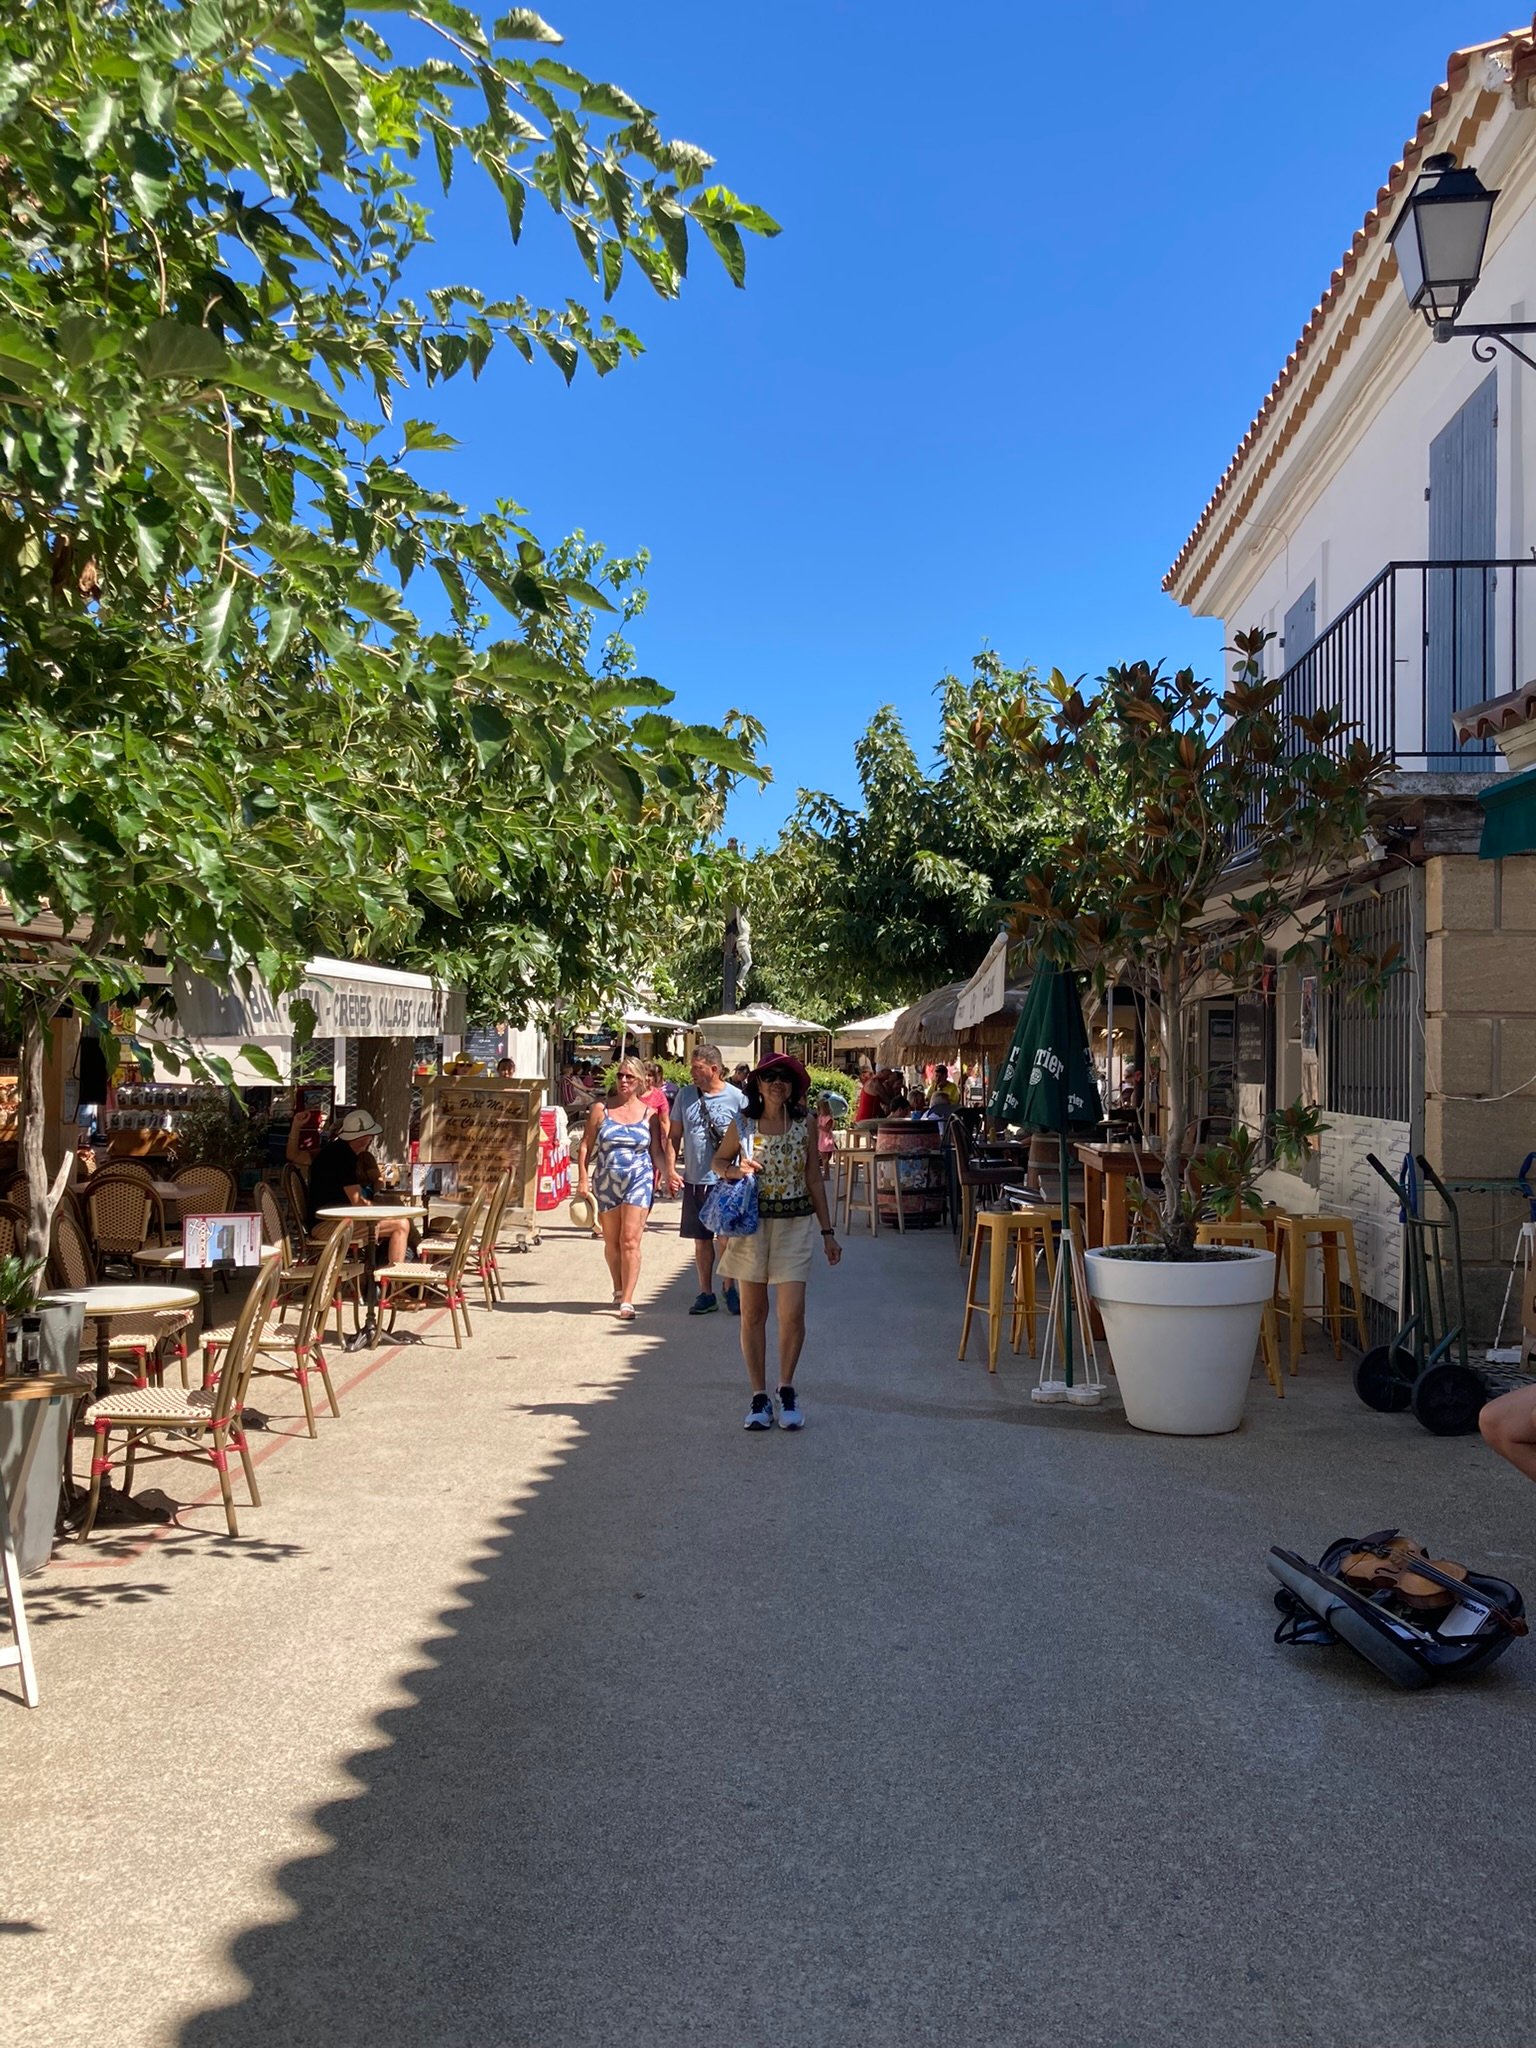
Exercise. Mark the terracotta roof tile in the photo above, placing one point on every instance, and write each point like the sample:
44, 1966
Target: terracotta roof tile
1520, 44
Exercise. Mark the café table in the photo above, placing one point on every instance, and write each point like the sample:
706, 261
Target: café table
102, 1304
1107, 1170
369, 1215
171, 1258
42, 1390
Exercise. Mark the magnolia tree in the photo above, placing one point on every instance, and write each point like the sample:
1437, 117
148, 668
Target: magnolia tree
231, 732
1228, 816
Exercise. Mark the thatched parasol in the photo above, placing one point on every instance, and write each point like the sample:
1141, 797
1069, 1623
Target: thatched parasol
926, 1029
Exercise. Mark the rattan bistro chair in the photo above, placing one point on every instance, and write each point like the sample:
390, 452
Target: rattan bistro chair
138, 1338
486, 1265
299, 1270
122, 1214
205, 1423
299, 1345
443, 1283
13, 1229
204, 1190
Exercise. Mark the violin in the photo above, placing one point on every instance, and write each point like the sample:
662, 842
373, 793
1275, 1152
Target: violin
1394, 1563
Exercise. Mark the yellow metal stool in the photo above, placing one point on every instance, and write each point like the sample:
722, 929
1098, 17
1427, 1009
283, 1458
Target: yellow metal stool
1295, 1236
1033, 1234
1002, 1232
1255, 1234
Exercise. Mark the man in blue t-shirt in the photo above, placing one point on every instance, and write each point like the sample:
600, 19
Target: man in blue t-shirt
701, 1116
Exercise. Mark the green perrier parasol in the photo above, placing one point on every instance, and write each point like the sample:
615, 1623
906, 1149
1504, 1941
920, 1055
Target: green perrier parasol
1048, 1084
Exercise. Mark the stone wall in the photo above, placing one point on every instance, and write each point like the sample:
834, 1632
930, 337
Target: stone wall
1480, 1050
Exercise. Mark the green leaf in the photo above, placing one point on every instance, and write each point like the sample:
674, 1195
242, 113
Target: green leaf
609, 100
622, 780
154, 526
278, 378
671, 224
490, 730
150, 178
587, 594
86, 338
423, 434
174, 348
633, 694
261, 1060
727, 241
213, 623
613, 266
522, 25
436, 890
157, 96
281, 620
708, 744
95, 122
318, 113
514, 194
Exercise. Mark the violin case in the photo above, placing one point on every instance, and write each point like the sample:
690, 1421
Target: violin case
1484, 1616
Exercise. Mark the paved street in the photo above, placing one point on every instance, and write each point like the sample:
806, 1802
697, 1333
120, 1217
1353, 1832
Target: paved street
541, 1705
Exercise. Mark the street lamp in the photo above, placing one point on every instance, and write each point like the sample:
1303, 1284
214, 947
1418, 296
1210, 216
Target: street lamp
1439, 238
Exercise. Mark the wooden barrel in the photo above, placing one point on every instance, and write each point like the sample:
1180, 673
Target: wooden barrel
916, 1156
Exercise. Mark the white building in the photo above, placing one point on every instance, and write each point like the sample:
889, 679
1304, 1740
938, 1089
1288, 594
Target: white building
1379, 517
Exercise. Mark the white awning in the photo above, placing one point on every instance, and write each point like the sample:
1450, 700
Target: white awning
987, 987
351, 999
642, 1020
865, 1031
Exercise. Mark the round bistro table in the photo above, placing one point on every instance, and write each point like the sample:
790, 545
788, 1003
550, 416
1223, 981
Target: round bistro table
370, 1215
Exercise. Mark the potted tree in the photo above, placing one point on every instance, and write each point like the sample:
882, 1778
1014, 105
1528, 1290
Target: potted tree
1227, 815
35, 1513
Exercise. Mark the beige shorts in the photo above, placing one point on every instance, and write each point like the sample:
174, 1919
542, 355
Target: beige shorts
779, 1249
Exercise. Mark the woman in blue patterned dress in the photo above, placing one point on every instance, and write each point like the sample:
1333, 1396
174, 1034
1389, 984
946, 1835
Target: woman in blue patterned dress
629, 1162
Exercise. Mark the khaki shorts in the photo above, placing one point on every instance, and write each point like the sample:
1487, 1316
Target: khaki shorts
779, 1249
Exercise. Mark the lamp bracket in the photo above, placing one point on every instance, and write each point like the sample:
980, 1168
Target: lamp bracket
1486, 341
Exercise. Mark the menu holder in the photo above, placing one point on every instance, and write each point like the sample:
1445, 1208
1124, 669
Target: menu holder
483, 1127
220, 1240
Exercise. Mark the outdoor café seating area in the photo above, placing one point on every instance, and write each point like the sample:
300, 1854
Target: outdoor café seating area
175, 1322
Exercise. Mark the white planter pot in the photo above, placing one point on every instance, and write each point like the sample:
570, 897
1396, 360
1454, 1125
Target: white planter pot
1182, 1336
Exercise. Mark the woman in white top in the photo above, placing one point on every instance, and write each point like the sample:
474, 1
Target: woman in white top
774, 1141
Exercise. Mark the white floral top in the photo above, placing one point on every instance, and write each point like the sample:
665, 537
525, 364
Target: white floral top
781, 1189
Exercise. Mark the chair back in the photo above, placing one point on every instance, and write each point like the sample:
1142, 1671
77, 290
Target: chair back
119, 1213
13, 1229
71, 1263
965, 1168
239, 1355
1230, 1230
130, 1169
14, 1187
205, 1188
495, 1209
321, 1291
464, 1241
273, 1229
296, 1195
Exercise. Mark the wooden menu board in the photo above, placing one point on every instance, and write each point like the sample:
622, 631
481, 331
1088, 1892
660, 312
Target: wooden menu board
485, 1127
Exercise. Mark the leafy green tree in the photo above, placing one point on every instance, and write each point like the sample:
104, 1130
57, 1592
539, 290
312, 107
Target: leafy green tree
229, 729
862, 906
1230, 816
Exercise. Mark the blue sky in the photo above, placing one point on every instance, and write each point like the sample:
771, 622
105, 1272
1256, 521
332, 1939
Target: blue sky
1040, 264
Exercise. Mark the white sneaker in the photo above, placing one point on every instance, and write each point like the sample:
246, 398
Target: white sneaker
760, 1414
791, 1414
626, 1311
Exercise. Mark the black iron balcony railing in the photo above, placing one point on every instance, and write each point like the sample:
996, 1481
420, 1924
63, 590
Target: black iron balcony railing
1423, 640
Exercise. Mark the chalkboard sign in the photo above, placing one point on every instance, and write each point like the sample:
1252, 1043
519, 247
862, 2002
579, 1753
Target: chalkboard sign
1252, 1042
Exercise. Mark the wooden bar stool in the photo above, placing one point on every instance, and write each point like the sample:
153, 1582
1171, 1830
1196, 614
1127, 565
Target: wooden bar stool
860, 1193
1002, 1232
1295, 1236
1257, 1235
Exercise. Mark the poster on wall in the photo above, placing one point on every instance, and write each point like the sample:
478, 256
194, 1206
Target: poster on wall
1350, 1186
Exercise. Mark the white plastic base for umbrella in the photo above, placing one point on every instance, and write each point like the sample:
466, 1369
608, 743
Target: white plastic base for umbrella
1087, 1382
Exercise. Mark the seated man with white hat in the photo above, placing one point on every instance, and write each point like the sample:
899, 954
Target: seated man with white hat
335, 1182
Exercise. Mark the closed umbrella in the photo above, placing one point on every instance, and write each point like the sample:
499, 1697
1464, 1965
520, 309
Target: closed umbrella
1047, 1084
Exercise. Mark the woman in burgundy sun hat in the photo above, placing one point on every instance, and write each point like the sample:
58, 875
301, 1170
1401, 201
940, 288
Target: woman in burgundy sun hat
774, 1141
